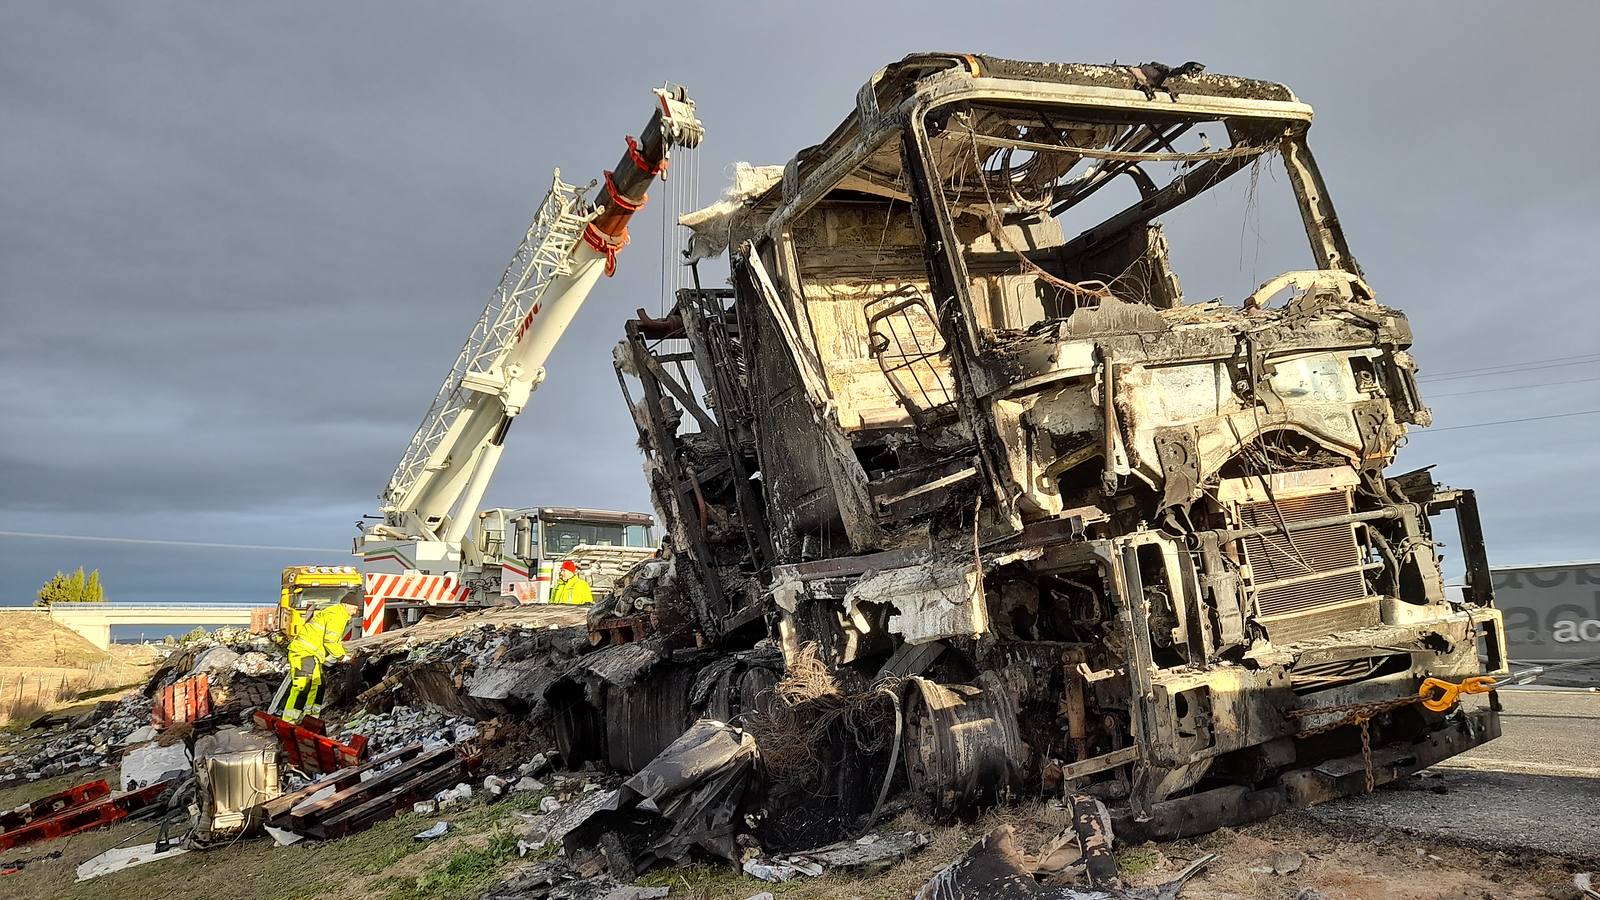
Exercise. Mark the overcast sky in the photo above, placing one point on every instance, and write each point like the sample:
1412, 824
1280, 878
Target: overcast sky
241, 243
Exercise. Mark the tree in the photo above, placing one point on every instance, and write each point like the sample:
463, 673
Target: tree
53, 591
74, 588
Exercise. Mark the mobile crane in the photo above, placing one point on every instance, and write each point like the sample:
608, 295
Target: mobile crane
431, 533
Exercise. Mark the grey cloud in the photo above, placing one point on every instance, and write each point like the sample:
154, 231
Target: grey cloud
239, 245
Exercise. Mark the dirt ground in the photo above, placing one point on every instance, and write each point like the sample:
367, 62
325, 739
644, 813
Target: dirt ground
1339, 864
44, 666
385, 862
1351, 864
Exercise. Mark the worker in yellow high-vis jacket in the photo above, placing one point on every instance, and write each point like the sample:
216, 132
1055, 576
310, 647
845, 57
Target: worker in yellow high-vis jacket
570, 586
317, 640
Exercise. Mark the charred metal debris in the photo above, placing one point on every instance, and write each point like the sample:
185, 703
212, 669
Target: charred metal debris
965, 503
1018, 516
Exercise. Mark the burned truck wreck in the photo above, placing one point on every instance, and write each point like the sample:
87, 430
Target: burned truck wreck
956, 438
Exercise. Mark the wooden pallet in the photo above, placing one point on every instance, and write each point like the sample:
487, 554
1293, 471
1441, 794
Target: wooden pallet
188, 700
276, 809
357, 804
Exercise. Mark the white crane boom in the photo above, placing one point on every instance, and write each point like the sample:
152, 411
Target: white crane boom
446, 467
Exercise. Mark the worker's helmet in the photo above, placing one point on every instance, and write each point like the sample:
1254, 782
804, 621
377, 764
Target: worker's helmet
569, 566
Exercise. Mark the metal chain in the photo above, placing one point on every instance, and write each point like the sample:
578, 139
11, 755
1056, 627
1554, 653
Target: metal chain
1366, 749
1356, 712
1360, 714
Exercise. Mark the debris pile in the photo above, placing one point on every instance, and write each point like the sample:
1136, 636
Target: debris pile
985, 513
473, 670
997, 867
88, 743
633, 594
242, 670
405, 725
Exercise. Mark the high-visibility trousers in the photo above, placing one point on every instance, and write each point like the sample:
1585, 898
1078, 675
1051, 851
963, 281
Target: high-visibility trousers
305, 683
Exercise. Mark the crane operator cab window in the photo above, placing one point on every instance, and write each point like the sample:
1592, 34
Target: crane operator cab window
561, 537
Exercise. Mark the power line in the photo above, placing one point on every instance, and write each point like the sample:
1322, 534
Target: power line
119, 540
1514, 387
1586, 412
1579, 356
1507, 368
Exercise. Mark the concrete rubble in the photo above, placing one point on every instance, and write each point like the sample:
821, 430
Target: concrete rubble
404, 725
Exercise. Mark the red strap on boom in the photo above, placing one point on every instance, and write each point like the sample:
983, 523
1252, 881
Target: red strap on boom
605, 243
621, 201
643, 165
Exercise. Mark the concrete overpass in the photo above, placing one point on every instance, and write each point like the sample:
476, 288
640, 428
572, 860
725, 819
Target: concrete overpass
94, 620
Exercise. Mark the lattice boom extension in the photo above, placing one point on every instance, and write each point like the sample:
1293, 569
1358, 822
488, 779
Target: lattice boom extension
543, 255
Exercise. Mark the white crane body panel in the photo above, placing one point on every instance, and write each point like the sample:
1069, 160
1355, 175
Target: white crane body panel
430, 519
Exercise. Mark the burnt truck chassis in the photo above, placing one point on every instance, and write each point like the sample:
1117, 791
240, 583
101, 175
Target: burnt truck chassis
1097, 538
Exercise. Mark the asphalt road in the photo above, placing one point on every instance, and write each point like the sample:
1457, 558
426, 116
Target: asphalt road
1554, 732
1536, 788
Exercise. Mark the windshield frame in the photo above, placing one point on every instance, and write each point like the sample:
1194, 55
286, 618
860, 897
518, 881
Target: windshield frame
1328, 247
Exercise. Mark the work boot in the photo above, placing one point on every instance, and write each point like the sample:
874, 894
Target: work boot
292, 716
314, 709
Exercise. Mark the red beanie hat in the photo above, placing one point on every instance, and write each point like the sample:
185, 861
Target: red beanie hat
569, 566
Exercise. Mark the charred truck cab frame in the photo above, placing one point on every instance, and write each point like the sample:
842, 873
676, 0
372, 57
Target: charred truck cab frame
1094, 534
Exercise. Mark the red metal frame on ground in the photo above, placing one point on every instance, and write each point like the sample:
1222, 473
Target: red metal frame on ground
81, 816
44, 807
188, 700
308, 748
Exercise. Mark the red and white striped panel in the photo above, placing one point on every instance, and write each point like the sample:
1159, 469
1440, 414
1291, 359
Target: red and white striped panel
371, 615
415, 587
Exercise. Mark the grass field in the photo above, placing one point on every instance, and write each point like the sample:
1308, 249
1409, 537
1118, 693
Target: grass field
382, 863
44, 665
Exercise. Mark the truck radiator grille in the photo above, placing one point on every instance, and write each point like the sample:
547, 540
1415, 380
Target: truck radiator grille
1313, 585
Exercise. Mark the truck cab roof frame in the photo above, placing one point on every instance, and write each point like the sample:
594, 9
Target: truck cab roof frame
903, 92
